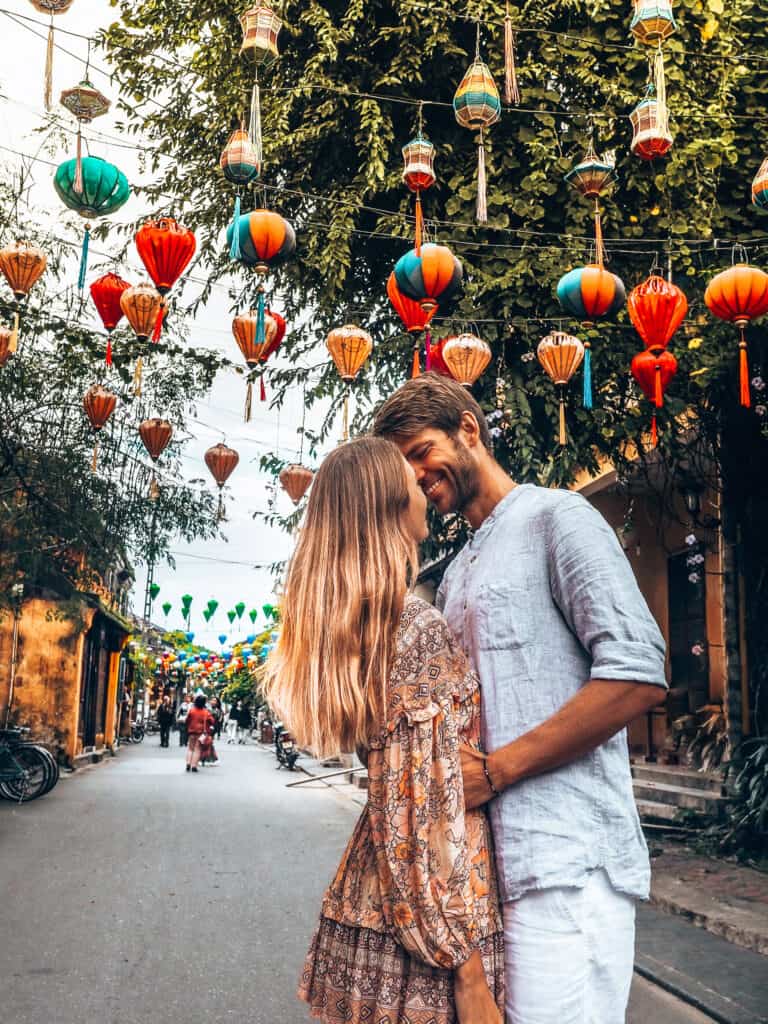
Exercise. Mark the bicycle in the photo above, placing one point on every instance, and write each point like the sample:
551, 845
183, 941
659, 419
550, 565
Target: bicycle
27, 770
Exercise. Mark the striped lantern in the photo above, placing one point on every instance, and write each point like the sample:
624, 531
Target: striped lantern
261, 27
241, 164
560, 354
477, 105
591, 178
760, 186
419, 174
651, 137
654, 22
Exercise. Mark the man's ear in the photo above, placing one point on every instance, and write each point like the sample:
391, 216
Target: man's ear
470, 429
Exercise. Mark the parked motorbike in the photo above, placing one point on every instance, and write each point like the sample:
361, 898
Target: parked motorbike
285, 747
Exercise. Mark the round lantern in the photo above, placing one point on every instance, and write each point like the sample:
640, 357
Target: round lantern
222, 462
739, 295
466, 356
239, 160
6, 333
99, 404
591, 293
295, 481
142, 304
264, 240
349, 346
432, 278
653, 21
155, 435
106, 292
477, 105
656, 308
760, 186
21, 264
653, 370
651, 137
560, 355
419, 175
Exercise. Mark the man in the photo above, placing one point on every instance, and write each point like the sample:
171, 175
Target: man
544, 602
181, 719
164, 715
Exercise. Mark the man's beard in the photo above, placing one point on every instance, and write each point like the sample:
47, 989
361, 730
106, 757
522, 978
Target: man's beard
465, 477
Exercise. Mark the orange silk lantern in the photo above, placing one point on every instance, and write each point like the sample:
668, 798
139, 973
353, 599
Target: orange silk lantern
653, 370
466, 356
222, 462
22, 265
349, 346
99, 404
155, 434
166, 250
247, 328
295, 481
656, 308
142, 304
413, 316
739, 295
560, 355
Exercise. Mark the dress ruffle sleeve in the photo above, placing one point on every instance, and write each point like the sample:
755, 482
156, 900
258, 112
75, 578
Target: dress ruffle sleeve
416, 799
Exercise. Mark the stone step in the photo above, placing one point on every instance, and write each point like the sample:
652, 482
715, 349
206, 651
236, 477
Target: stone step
650, 810
680, 797
711, 782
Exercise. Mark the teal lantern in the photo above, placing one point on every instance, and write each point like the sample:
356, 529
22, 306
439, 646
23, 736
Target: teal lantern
104, 190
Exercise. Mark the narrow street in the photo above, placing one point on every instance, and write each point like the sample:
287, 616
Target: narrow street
139, 894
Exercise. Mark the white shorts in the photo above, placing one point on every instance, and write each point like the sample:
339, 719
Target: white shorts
569, 955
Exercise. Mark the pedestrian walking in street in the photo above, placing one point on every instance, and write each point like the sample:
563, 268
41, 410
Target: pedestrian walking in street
412, 913
181, 719
545, 603
199, 730
218, 715
233, 721
244, 722
165, 717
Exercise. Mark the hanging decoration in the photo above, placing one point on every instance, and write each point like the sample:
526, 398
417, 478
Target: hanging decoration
85, 103
261, 27
142, 304
99, 404
560, 355
653, 22
106, 292
246, 328
166, 608
466, 356
760, 186
653, 370
419, 172
103, 189
349, 346
435, 361
222, 462
264, 238
651, 137
50, 7
241, 165
22, 265
414, 318
511, 87
739, 295
295, 481
155, 435
656, 308
477, 106
6, 333
431, 279
589, 294
166, 249
591, 178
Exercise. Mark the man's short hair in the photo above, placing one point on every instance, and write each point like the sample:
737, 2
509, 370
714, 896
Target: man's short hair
428, 402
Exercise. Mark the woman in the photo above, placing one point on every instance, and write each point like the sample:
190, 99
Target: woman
199, 725
218, 716
232, 722
410, 926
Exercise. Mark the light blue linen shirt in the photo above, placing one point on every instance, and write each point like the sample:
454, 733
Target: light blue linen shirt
543, 599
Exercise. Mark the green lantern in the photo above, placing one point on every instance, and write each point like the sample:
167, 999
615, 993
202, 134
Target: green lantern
207, 614
212, 606
154, 590
100, 189
253, 614
166, 608
268, 610
186, 600
240, 608
231, 616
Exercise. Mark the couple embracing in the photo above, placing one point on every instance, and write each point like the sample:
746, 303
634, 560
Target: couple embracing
494, 871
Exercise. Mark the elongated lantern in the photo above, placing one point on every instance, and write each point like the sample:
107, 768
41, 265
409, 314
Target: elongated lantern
247, 328
22, 265
656, 308
50, 7
739, 295
155, 435
560, 355
477, 106
295, 481
651, 137
419, 175
141, 304
241, 164
654, 22
99, 404
261, 27
106, 292
466, 356
349, 347
414, 318
653, 370
591, 178
222, 462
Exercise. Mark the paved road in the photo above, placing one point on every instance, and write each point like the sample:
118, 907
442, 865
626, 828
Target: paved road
138, 894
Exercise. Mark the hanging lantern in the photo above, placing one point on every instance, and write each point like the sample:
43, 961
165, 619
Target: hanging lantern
414, 318
6, 333
739, 295
650, 128
760, 186
419, 173
560, 354
274, 344
22, 264
261, 27
435, 361
466, 356
264, 240
141, 304
106, 292
653, 21
653, 370
85, 103
591, 178
166, 249
656, 308
103, 188
155, 435
222, 462
430, 279
50, 7
256, 338
477, 105
349, 346
99, 404
241, 164
295, 481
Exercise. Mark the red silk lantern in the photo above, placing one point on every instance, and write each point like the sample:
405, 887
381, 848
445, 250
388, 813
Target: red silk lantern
656, 308
155, 434
739, 295
653, 370
414, 318
166, 249
273, 345
435, 361
106, 292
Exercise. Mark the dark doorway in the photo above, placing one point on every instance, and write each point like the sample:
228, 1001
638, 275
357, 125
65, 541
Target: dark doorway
688, 627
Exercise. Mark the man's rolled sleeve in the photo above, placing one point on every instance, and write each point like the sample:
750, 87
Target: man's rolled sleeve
596, 590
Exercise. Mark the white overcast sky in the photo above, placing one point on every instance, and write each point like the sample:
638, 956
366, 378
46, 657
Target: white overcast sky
221, 568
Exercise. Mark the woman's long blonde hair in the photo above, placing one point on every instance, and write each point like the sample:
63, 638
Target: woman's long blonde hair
343, 599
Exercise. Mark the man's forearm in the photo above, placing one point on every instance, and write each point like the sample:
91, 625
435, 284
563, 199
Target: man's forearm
598, 711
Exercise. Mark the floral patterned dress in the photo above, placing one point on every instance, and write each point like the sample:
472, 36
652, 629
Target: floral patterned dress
415, 894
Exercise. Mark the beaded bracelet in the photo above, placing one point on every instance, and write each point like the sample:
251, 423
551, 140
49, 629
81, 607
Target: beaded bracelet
488, 778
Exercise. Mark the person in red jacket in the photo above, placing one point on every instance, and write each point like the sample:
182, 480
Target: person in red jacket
200, 725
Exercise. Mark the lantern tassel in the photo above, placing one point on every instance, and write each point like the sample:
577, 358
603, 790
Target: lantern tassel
262, 389
248, 401
154, 489
658, 395
563, 438
345, 420
220, 509
428, 350
599, 246
511, 88
419, 224
416, 369
260, 310
234, 249
158, 330
137, 373
13, 341
77, 184
660, 84
254, 126
587, 392
482, 199
654, 431
744, 396
49, 68
84, 258
95, 458
108, 357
